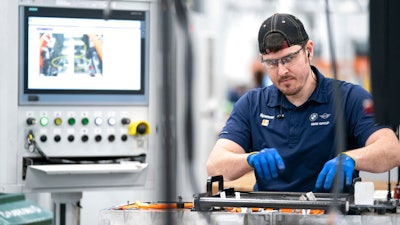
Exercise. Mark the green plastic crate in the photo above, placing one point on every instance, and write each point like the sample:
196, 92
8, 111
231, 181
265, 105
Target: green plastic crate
16, 210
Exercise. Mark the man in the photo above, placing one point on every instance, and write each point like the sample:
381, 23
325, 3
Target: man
286, 132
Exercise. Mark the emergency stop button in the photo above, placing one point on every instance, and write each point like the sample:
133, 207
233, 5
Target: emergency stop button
139, 128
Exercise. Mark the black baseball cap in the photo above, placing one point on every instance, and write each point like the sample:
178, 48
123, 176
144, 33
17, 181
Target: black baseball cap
289, 26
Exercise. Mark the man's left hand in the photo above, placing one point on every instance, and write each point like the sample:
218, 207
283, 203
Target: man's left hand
327, 174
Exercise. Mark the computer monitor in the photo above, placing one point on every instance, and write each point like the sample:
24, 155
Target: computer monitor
81, 56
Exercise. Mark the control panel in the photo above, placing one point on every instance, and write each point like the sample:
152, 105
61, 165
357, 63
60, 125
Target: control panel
84, 115
84, 131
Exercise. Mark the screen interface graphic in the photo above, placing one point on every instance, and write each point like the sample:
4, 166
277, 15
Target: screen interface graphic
66, 54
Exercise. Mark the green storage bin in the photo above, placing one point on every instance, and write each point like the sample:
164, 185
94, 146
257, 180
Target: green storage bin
16, 210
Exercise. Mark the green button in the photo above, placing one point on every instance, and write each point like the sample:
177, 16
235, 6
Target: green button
71, 121
85, 121
44, 121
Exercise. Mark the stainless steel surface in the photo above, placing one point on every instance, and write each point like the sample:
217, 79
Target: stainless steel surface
186, 217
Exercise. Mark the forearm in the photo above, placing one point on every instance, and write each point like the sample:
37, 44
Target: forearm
381, 153
231, 164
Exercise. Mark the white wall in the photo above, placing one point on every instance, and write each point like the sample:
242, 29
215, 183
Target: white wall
8, 92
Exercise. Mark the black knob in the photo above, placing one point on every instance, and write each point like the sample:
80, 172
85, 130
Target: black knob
125, 121
84, 138
111, 138
57, 138
43, 138
97, 138
71, 138
141, 129
124, 137
31, 121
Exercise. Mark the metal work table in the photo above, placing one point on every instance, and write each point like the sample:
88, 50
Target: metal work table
186, 217
228, 207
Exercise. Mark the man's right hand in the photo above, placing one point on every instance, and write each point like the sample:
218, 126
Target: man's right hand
266, 163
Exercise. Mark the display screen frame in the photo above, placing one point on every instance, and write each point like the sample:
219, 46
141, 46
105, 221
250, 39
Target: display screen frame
85, 84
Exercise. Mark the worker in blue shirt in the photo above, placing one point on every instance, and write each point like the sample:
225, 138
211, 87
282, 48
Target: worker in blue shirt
286, 132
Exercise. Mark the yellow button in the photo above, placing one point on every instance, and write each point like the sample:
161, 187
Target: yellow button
58, 121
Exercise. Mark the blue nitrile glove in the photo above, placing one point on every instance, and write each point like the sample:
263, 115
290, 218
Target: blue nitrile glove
327, 173
266, 163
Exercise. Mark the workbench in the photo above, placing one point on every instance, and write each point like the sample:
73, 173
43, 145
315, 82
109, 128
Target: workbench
229, 207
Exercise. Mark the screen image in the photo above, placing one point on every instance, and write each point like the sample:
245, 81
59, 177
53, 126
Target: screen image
66, 57
69, 52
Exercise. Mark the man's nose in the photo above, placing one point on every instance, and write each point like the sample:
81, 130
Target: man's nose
281, 68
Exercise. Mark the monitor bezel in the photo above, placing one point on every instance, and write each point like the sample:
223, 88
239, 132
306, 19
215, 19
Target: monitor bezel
80, 97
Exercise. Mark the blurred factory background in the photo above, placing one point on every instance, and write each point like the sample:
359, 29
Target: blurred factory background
224, 63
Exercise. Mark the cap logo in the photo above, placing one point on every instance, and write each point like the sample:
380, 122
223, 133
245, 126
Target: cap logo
285, 45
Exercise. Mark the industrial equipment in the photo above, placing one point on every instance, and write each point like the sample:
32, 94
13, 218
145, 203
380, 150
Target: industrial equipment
228, 206
85, 116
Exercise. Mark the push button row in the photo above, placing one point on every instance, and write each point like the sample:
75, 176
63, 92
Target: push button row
98, 121
84, 138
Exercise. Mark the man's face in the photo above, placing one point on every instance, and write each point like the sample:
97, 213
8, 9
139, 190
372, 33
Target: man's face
288, 69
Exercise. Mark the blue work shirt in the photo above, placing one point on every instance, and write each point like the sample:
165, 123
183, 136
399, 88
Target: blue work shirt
305, 136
